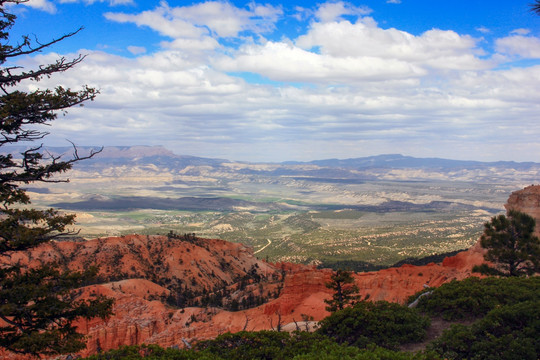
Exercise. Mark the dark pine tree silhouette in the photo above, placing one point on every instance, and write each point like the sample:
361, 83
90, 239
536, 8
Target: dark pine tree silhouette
345, 291
38, 305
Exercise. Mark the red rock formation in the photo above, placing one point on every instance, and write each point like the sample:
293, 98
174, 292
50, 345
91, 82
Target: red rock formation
137, 272
198, 264
140, 315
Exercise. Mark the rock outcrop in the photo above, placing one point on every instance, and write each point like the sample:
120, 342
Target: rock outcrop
528, 201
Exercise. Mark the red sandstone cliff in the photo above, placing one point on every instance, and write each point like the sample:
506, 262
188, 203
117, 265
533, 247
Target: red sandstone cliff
139, 271
145, 263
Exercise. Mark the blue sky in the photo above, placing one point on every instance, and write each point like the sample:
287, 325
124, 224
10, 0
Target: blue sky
275, 81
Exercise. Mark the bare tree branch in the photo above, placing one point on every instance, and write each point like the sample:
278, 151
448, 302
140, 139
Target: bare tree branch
18, 49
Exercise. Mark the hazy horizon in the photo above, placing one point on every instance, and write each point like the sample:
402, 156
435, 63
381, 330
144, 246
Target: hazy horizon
67, 150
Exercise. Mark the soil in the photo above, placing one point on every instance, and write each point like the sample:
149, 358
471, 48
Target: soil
438, 325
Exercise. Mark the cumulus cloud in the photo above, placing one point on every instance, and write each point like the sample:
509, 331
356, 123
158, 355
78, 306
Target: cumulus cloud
365, 38
226, 20
284, 62
517, 45
344, 52
219, 18
161, 21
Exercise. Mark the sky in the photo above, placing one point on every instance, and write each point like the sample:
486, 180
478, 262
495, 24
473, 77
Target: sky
274, 81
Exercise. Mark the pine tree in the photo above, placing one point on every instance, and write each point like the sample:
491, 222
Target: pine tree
345, 290
38, 305
511, 245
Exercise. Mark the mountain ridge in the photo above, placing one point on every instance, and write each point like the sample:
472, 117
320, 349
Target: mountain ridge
158, 154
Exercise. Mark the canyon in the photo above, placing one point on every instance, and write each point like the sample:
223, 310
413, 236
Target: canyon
143, 272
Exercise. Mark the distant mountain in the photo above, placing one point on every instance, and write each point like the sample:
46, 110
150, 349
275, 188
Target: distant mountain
158, 155
145, 155
125, 155
162, 157
398, 161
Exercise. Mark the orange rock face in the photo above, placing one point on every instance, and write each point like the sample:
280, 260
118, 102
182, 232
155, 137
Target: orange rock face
140, 272
527, 201
136, 269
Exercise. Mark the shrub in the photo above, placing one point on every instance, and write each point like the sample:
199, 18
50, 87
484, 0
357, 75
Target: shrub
342, 352
509, 332
382, 323
474, 297
263, 345
246, 345
152, 352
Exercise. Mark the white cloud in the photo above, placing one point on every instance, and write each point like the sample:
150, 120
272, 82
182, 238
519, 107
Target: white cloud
363, 50
111, 2
301, 13
226, 20
220, 18
393, 1
351, 53
331, 11
136, 50
521, 31
203, 44
365, 38
284, 62
43, 5
483, 30
121, 2
161, 21
521, 46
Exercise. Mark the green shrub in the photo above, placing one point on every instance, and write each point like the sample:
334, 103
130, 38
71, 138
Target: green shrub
474, 297
342, 352
263, 345
152, 352
509, 332
381, 323
246, 345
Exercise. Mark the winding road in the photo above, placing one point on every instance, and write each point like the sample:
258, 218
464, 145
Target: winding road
264, 247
